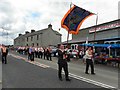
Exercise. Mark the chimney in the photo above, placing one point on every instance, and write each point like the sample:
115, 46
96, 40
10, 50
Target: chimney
20, 34
26, 32
50, 26
32, 30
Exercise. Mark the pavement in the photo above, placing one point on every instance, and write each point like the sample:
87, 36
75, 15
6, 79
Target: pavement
43, 74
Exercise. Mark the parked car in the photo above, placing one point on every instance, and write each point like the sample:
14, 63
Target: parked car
54, 52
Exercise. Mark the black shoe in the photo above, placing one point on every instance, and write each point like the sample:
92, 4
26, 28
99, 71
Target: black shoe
68, 79
60, 79
93, 73
86, 73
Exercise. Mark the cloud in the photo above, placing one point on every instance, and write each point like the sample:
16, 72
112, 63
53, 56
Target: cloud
18, 16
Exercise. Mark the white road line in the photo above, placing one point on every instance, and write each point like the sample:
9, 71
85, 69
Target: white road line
41, 64
92, 81
38, 64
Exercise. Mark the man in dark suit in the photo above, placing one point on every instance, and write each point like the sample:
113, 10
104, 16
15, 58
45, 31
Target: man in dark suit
44, 53
47, 53
4, 51
31, 53
62, 63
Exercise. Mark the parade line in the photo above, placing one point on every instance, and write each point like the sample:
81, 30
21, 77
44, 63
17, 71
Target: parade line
70, 74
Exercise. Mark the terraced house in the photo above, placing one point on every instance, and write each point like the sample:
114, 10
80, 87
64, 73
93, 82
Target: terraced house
44, 37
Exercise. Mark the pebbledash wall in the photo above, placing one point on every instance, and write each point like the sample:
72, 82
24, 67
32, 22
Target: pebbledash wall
45, 37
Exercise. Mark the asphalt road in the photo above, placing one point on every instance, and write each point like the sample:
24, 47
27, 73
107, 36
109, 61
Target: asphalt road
43, 74
104, 74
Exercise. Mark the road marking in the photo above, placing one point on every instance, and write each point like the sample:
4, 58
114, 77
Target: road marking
91, 81
43, 65
34, 62
39, 64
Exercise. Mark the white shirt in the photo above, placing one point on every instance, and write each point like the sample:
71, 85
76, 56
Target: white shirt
36, 49
41, 49
88, 56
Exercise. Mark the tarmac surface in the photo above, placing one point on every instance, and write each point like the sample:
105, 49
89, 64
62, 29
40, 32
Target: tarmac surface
19, 73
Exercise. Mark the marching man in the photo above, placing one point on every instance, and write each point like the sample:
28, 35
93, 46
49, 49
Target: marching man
4, 51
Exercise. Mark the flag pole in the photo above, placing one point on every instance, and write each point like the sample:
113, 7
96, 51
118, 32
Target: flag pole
96, 27
69, 25
95, 31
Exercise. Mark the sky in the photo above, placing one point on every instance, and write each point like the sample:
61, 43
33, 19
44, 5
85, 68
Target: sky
18, 16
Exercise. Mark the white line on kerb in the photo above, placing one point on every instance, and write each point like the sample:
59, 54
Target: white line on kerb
34, 63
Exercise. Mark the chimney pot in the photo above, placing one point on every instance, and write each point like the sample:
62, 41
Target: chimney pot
32, 30
26, 32
20, 34
50, 26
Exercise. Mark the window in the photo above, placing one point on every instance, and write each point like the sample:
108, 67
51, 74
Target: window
118, 42
112, 43
72, 47
37, 44
37, 37
27, 39
75, 46
31, 38
33, 44
106, 43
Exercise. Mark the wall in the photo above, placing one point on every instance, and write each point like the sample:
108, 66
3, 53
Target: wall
50, 38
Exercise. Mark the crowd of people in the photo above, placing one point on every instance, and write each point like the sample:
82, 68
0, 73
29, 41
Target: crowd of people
37, 52
63, 57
